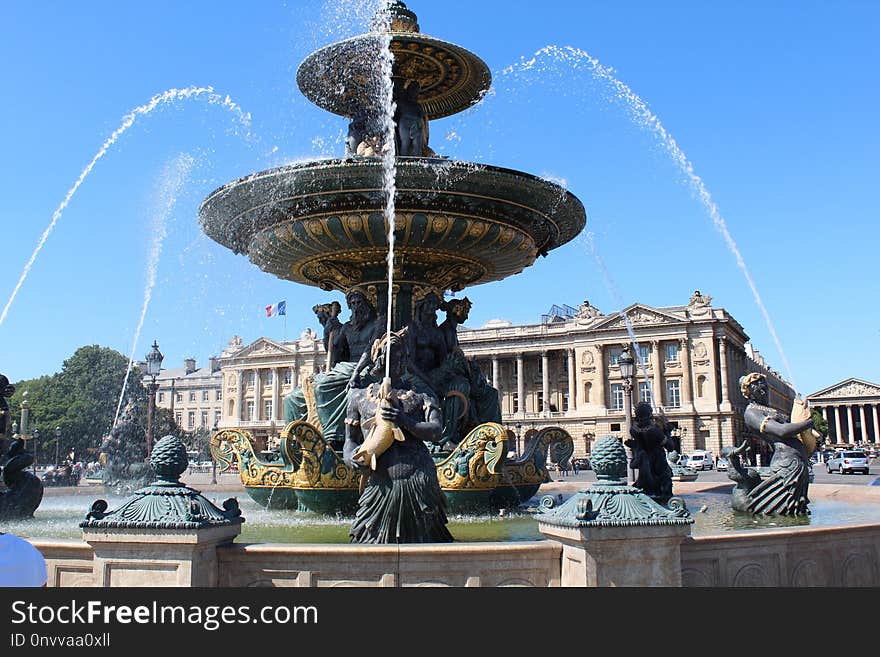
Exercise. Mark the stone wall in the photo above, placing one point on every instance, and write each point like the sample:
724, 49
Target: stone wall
834, 556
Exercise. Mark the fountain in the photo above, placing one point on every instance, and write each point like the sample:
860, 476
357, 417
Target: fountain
440, 225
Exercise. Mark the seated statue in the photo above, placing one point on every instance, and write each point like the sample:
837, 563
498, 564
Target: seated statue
24, 490
348, 353
648, 445
402, 501
784, 491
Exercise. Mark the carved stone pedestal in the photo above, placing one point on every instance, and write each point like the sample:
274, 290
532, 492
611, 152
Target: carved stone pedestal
613, 534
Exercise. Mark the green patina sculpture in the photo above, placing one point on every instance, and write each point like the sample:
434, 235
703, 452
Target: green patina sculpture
165, 503
611, 502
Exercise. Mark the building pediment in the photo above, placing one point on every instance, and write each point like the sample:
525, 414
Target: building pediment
849, 388
263, 347
638, 315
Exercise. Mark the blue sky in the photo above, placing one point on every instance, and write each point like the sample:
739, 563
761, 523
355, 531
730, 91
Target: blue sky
774, 104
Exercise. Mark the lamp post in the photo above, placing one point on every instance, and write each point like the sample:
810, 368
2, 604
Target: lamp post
518, 429
57, 445
36, 438
213, 461
627, 367
154, 366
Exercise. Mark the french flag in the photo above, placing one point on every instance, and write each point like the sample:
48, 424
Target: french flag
279, 308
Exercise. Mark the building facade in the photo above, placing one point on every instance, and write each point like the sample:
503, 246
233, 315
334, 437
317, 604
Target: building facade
560, 372
851, 410
193, 394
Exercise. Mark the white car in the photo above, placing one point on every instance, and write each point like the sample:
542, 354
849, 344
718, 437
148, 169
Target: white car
701, 460
848, 461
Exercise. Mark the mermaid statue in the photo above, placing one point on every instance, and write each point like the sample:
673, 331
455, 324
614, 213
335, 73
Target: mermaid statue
784, 490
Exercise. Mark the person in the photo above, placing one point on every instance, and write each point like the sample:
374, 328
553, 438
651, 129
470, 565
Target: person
575, 466
784, 491
21, 564
348, 350
401, 501
648, 444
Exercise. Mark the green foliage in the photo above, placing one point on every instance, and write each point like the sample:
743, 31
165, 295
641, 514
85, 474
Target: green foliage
820, 424
81, 399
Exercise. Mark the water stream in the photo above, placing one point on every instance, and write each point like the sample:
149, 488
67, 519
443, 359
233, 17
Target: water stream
174, 176
164, 98
645, 118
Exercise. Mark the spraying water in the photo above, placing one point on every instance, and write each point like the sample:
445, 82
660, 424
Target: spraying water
612, 290
170, 96
389, 160
645, 118
172, 179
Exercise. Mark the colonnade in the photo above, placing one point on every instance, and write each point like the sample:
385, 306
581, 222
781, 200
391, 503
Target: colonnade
261, 394
849, 422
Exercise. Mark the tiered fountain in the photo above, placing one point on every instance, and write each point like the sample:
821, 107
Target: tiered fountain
455, 224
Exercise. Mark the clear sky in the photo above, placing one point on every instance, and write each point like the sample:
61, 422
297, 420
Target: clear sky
773, 103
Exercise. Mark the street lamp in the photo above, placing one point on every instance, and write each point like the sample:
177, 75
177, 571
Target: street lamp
57, 445
154, 366
36, 438
518, 429
213, 460
627, 367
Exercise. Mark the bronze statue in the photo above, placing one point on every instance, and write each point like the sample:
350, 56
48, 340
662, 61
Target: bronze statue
744, 477
348, 353
411, 134
24, 490
6, 390
648, 443
784, 491
401, 501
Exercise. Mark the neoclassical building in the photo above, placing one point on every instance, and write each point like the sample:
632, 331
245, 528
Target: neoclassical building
851, 410
193, 394
562, 371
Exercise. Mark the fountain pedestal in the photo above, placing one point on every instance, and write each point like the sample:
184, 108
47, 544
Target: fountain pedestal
165, 534
614, 534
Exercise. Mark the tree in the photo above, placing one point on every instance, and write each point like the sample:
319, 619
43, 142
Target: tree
81, 399
820, 424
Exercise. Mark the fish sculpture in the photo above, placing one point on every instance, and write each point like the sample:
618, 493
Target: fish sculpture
382, 434
809, 437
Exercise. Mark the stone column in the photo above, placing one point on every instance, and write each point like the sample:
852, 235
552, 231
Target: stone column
294, 372
876, 424
864, 423
545, 383
655, 365
687, 398
572, 382
258, 395
495, 373
849, 424
725, 395
838, 435
520, 384
602, 373
276, 394
240, 400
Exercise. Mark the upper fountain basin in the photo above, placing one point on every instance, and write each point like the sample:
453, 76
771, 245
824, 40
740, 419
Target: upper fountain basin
457, 224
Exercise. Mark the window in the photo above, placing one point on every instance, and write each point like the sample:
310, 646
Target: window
540, 401
178, 418
644, 391
673, 394
179, 396
614, 354
218, 395
672, 352
644, 354
250, 411
565, 401
270, 377
515, 398
617, 394
267, 410
161, 397
205, 419
192, 396
615, 426
588, 393
191, 420
288, 377
205, 394
217, 418
252, 378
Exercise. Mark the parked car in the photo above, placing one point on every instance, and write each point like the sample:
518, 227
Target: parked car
701, 460
848, 461
722, 464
